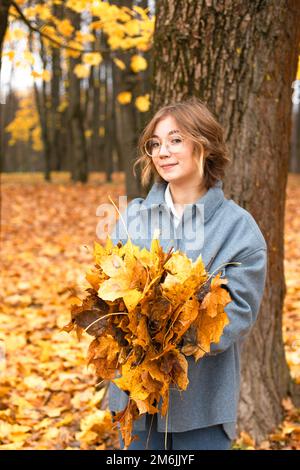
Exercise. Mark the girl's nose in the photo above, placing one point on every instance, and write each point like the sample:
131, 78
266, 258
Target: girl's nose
163, 150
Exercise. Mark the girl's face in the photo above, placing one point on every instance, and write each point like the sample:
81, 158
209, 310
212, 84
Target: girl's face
185, 165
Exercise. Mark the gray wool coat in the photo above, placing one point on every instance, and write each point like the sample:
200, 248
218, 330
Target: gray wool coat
221, 231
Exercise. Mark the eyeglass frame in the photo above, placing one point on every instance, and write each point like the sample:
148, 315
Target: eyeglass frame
184, 137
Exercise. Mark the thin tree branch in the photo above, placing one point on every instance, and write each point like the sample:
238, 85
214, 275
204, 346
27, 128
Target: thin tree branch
46, 36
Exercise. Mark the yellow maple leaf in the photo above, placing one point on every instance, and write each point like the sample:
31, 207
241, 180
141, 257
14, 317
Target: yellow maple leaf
119, 63
92, 58
124, 97
142, 103
138, 63
217, 298
81, 71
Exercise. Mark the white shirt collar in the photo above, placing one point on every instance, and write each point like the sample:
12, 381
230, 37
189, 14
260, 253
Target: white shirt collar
169, 202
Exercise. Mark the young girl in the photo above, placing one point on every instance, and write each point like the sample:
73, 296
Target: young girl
183, 148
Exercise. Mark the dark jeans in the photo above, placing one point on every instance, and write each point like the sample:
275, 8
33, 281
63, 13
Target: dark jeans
209, 438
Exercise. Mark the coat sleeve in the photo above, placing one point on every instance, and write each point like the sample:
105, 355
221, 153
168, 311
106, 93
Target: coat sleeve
246, 284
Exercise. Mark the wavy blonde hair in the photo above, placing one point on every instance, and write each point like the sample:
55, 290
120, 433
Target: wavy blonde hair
198, 124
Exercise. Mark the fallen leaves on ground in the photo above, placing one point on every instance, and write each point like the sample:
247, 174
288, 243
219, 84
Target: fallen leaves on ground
48, 397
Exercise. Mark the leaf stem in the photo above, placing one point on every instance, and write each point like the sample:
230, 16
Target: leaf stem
221, 265
105, 316
121, 217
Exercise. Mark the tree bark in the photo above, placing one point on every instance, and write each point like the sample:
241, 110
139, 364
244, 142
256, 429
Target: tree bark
77, 142
55, 115
109, 123
95, 157
41, 106
126, 118
4, 8
44, 117
240, 58
294, 166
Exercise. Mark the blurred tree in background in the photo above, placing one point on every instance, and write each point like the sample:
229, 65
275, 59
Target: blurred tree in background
90, 65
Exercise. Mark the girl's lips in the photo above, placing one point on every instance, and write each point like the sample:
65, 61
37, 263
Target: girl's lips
166, 167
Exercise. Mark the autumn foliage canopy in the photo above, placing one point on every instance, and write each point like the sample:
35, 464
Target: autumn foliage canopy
148, 310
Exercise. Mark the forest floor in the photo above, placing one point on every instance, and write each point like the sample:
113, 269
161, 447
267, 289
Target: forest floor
48, 396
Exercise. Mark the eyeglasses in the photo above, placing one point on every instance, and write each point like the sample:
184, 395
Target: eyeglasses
174, 143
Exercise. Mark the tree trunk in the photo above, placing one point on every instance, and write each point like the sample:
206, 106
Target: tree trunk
4, 7
77, 143
55, 115
56, 155
96, 110
109, 124
44, 117
241, 60
126, 118
295, 137
41, 106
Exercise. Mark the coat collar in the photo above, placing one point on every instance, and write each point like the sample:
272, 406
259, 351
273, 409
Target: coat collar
212, 199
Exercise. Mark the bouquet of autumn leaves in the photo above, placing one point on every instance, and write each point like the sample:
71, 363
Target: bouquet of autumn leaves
148, 310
